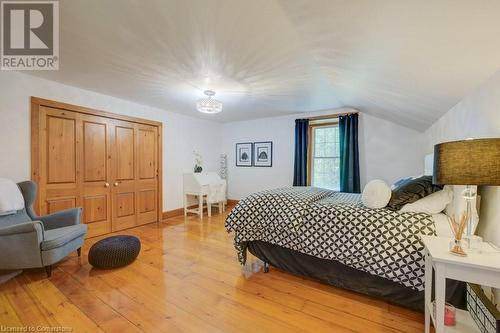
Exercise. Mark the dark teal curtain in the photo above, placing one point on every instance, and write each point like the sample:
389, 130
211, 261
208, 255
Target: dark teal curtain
301, 145
349, 154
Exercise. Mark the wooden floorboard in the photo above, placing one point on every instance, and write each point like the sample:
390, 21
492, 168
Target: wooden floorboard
187, 279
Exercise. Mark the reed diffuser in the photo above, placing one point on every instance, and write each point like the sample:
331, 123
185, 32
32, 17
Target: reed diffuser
458, 227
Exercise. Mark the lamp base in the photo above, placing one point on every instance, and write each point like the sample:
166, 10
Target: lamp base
472, 243
469, 195
466, 239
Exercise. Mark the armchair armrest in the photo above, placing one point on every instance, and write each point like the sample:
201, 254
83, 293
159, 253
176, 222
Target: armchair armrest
20, 245
23, 228
64, 218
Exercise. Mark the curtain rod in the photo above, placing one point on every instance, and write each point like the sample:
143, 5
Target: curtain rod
329, 116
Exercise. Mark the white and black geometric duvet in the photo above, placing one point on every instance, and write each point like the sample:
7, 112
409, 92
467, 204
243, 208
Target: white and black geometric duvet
336, 226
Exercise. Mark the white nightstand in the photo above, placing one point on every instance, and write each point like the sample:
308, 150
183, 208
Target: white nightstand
480, 268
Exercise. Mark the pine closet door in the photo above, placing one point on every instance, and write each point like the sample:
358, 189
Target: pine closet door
59, 161
75, 168
95, 173
110, 167
124, 174
135, 174
147, 176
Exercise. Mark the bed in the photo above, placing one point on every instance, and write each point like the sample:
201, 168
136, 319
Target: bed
334, 238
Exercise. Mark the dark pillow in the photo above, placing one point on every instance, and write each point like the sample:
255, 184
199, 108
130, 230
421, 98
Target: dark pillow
411, 191
400, 182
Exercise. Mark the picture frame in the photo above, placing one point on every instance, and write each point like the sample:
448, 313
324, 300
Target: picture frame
244, 154
263, 154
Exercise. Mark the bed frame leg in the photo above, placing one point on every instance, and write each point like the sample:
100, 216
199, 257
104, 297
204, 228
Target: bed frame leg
266, 267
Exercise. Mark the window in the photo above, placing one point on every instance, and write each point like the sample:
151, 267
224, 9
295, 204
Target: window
325, 156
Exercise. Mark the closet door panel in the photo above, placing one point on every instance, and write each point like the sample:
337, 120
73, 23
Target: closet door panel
58, 160
125, 204
96, 208
124, 173
61, 150
147, 152
125, 152
94, 151
147, 180
147, 201
55, 205
95, 175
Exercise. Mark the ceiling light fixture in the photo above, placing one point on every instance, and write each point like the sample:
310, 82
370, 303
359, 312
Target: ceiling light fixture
209, 105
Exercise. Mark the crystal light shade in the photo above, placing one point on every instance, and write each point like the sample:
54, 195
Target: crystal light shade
209, 105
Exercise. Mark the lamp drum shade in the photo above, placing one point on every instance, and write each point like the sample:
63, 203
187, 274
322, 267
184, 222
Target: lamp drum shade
467, 162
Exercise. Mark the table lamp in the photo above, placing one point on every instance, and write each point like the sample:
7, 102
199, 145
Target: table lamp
468, 162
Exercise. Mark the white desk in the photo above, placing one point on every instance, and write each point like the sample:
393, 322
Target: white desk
199, 185
480, 268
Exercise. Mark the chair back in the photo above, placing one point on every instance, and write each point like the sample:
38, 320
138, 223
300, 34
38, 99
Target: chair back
28, 190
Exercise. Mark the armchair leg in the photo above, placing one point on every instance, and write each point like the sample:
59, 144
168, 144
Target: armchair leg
48, 270
79, 251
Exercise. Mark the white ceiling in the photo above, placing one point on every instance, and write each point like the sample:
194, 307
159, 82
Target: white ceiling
406, 61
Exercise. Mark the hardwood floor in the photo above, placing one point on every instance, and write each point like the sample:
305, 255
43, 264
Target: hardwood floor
187, 279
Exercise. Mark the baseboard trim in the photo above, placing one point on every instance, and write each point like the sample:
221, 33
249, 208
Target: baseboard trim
180, 211
172, 213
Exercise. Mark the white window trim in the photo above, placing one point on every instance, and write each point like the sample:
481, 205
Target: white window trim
313, 146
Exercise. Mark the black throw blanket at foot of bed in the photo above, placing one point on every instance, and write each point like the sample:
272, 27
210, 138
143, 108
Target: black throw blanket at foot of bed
336, 274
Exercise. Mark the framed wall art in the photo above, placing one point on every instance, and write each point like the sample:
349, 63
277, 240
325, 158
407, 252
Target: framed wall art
263, 154
244, 154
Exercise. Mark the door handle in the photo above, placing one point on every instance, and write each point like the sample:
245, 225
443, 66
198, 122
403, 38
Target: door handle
106, 185
115, 184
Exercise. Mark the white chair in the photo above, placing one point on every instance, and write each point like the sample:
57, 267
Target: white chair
207, 188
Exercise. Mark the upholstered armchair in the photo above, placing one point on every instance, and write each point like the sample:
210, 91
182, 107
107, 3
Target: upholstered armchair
28, 240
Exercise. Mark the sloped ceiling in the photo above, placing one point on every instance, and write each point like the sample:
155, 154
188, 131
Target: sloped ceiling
405, 61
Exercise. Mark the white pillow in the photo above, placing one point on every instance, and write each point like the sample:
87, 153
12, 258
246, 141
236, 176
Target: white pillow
11, 198
432, 204
442, 225
376, 194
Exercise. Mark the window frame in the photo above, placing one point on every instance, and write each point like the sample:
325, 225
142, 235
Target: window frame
310, 146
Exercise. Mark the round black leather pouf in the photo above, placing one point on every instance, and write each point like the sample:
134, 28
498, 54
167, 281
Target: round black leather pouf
114, 251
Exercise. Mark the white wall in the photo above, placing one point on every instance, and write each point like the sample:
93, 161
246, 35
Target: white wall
181, 134
476, 116
387, 151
